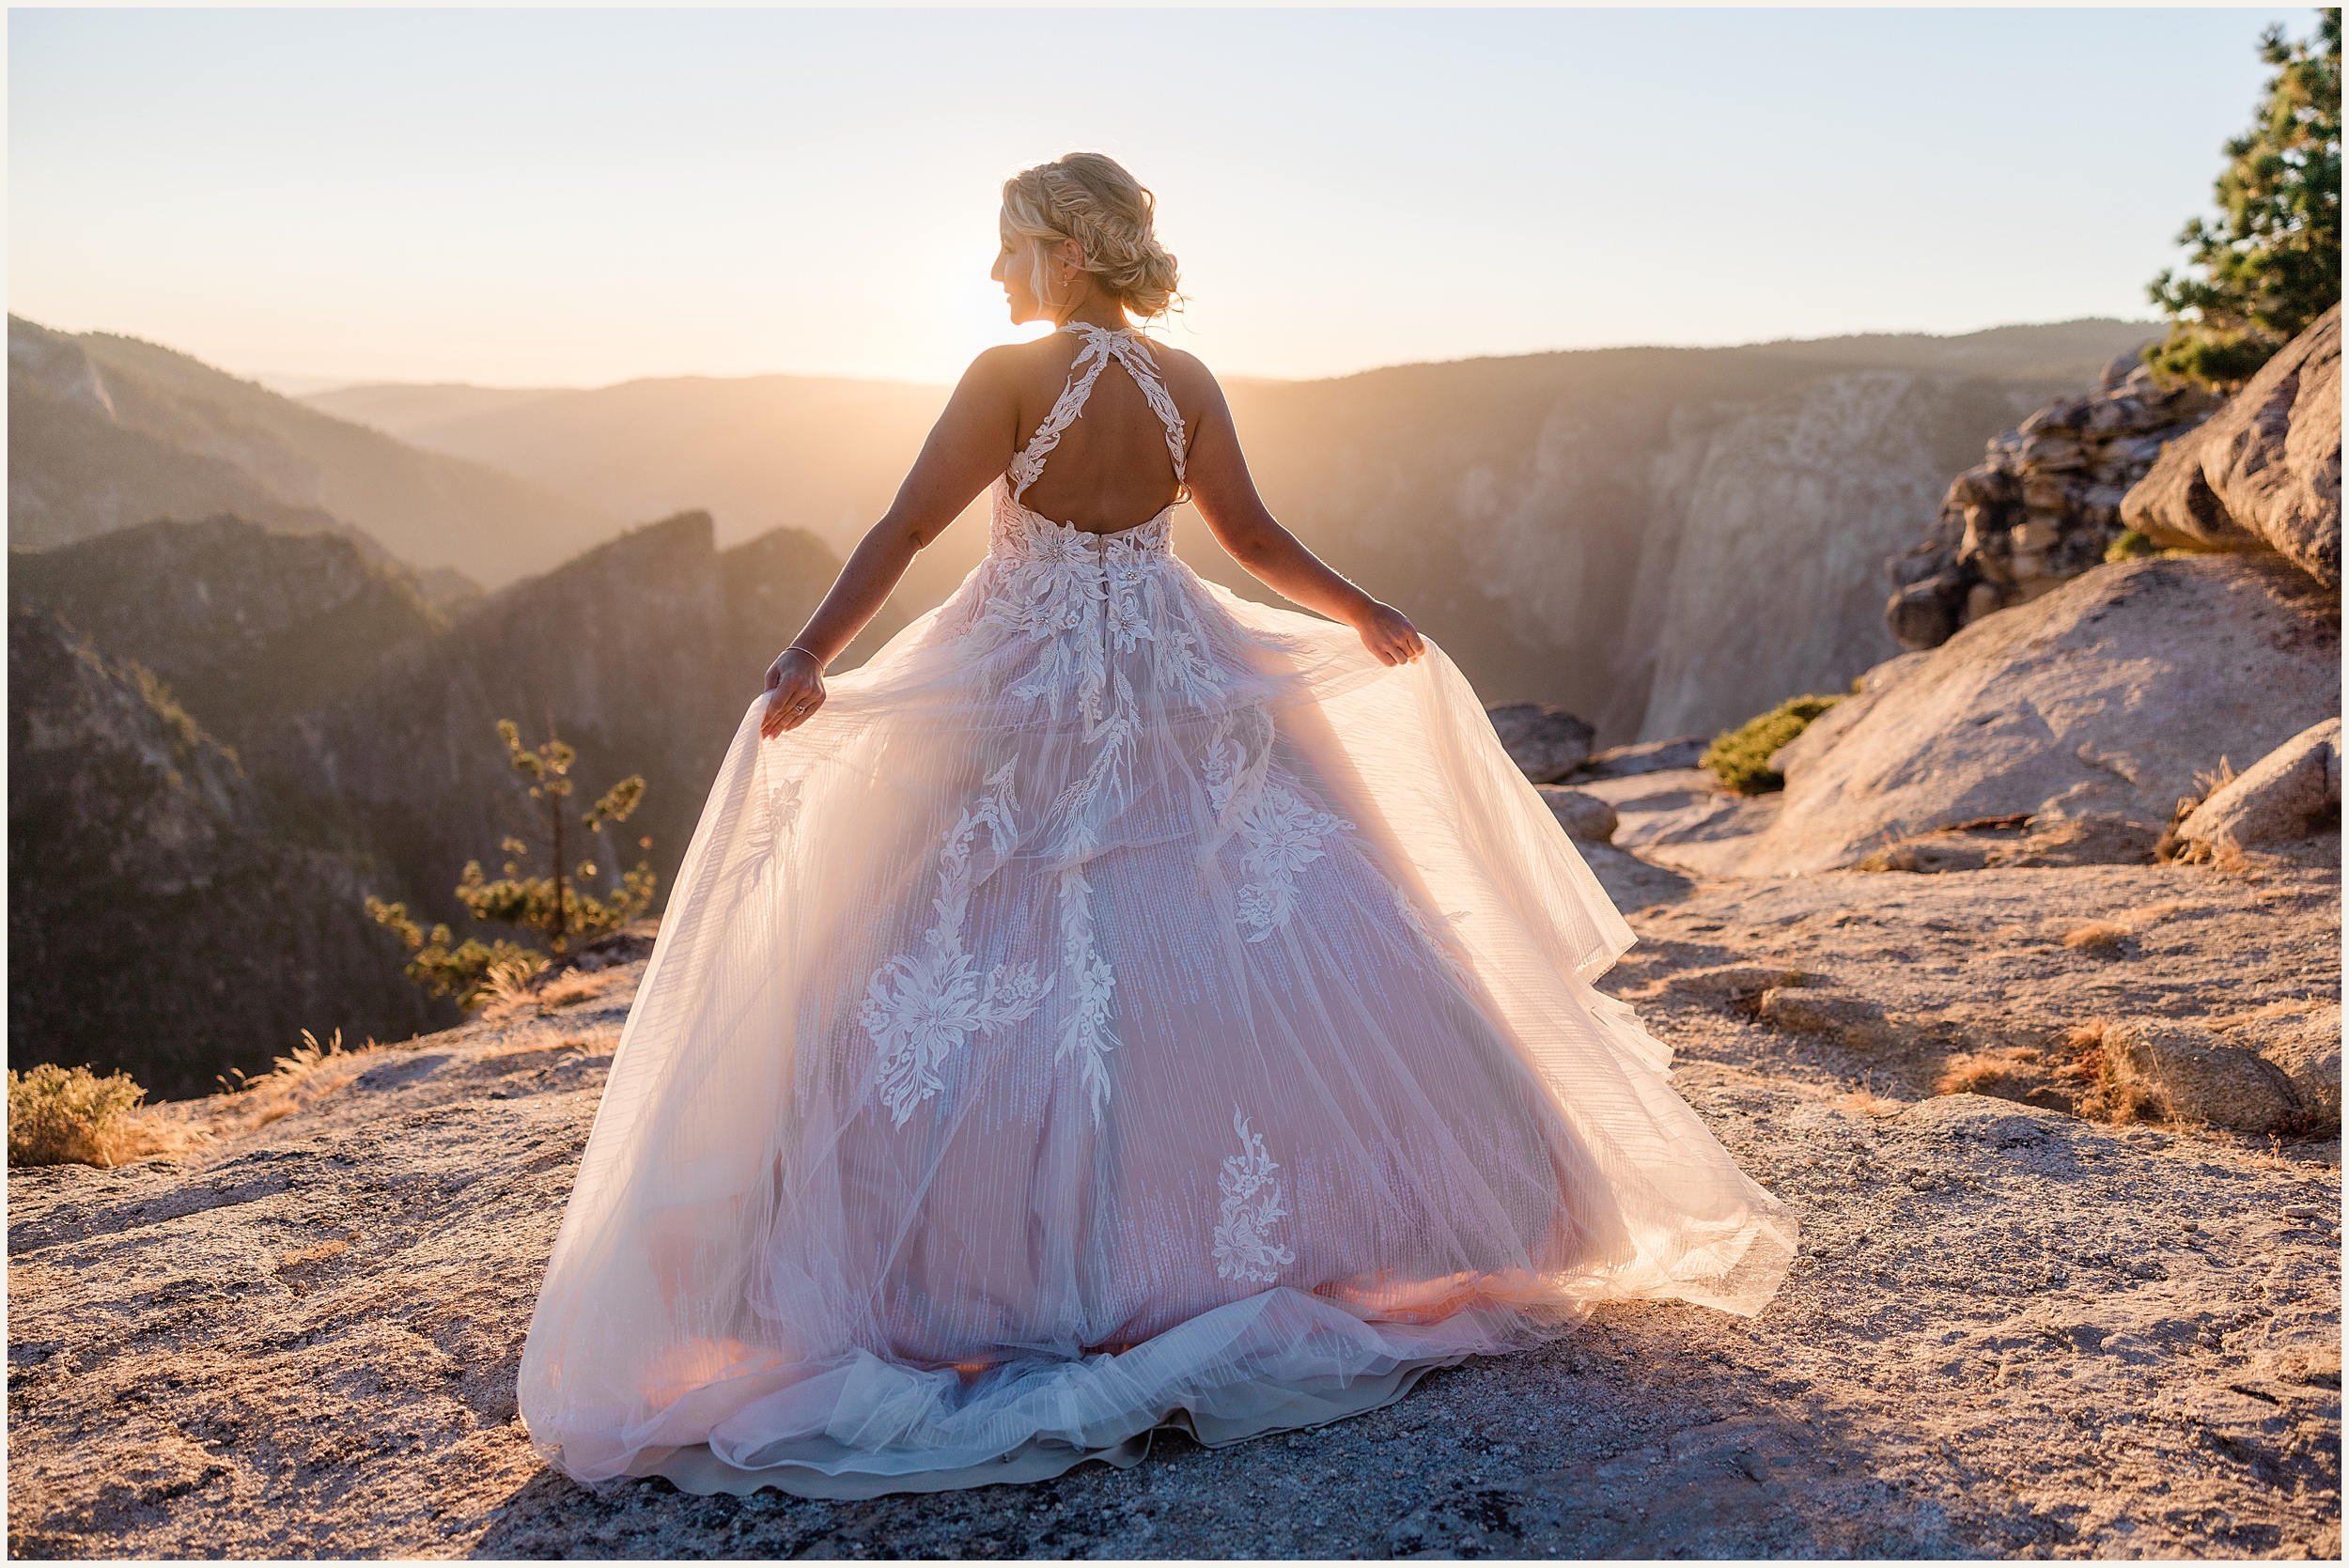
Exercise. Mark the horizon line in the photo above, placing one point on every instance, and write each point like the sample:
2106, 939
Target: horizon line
279, 383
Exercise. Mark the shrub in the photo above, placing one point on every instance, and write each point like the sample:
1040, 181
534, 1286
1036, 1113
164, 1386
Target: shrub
71, 1116
2130, 545
1740, 758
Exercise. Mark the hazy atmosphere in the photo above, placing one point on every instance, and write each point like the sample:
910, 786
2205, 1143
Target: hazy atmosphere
547, 197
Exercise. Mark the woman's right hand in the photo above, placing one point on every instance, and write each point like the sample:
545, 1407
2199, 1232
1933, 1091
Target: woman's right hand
795, 689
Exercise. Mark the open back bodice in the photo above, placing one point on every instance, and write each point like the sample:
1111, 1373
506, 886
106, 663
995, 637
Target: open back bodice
1018, 528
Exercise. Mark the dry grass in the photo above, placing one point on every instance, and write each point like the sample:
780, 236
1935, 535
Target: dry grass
576, 987
2009, 1073
505, 987
295, 1080
71, 1116
2074, 1072
526, 990
2109, 939
2105, 1092
1869, 1103
2170, 846
2106, 939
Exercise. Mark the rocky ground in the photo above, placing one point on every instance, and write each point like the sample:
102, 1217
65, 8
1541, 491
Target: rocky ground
2011, 1333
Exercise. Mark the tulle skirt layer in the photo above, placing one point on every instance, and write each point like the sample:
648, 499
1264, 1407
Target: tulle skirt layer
1122, 1005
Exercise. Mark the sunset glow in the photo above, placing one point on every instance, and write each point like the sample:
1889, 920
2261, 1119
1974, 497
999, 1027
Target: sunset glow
576, 197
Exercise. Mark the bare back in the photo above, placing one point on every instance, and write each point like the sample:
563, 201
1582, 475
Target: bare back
1112, 465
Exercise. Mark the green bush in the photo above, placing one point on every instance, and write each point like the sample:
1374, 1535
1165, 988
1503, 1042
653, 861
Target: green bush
2130, 546
1740, 758
70, 1116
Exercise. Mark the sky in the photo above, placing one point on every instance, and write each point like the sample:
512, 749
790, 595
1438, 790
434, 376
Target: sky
555, 197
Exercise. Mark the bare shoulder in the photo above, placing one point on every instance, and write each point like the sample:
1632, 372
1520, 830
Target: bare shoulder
1186, 376
1001, 368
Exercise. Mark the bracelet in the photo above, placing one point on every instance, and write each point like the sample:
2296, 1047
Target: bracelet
810, 652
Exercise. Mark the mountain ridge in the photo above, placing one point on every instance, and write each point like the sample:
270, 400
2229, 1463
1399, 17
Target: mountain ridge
107, 431
1528, 511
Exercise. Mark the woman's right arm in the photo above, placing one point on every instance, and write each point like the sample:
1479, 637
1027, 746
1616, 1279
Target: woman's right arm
1225, 494
971, 442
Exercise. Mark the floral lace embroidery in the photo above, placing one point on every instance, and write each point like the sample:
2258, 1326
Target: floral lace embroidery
1280, 834
776, 812
921, 1007
1085, 1032
1244, 1248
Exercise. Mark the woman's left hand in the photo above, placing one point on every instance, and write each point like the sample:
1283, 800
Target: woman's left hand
795, 689
1389, 635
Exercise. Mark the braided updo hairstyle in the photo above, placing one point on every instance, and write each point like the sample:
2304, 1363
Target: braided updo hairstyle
1090, 198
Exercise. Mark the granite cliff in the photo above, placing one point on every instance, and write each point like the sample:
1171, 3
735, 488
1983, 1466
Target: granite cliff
157, 918
226, 737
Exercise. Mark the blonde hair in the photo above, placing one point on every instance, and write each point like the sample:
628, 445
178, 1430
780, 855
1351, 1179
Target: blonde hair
1090, 198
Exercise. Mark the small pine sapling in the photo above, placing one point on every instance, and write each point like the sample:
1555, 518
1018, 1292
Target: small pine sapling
557, 909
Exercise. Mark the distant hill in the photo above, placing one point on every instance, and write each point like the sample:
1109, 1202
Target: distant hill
758, 451
106, 432
222, 737
1665, 539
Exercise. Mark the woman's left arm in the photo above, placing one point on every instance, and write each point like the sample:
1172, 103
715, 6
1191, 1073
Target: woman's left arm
970, 443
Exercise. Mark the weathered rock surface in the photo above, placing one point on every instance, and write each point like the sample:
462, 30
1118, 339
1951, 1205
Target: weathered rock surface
1542, 738
2264, 473
1586, 819
2200, 1077
2101, 700
2046, 838
301, 1339
1646, 756
2306, 1048
1684, 818
2042, 508
2288, 793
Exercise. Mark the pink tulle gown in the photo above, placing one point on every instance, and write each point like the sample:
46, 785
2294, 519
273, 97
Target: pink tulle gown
1121, 1006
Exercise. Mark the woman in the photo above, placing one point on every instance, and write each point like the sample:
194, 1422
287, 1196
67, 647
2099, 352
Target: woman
1116, 1004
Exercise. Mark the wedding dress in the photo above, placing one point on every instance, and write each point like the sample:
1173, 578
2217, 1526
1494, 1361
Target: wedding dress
1121, 1004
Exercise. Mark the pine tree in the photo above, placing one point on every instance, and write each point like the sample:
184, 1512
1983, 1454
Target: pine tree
552, 907
2270, 263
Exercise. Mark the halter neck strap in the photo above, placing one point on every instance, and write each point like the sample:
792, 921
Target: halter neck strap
1100, 346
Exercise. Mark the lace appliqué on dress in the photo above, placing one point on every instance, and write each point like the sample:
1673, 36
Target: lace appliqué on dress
776, 812
1085, 1032
1279, 832
1244, 1248
921, 1007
